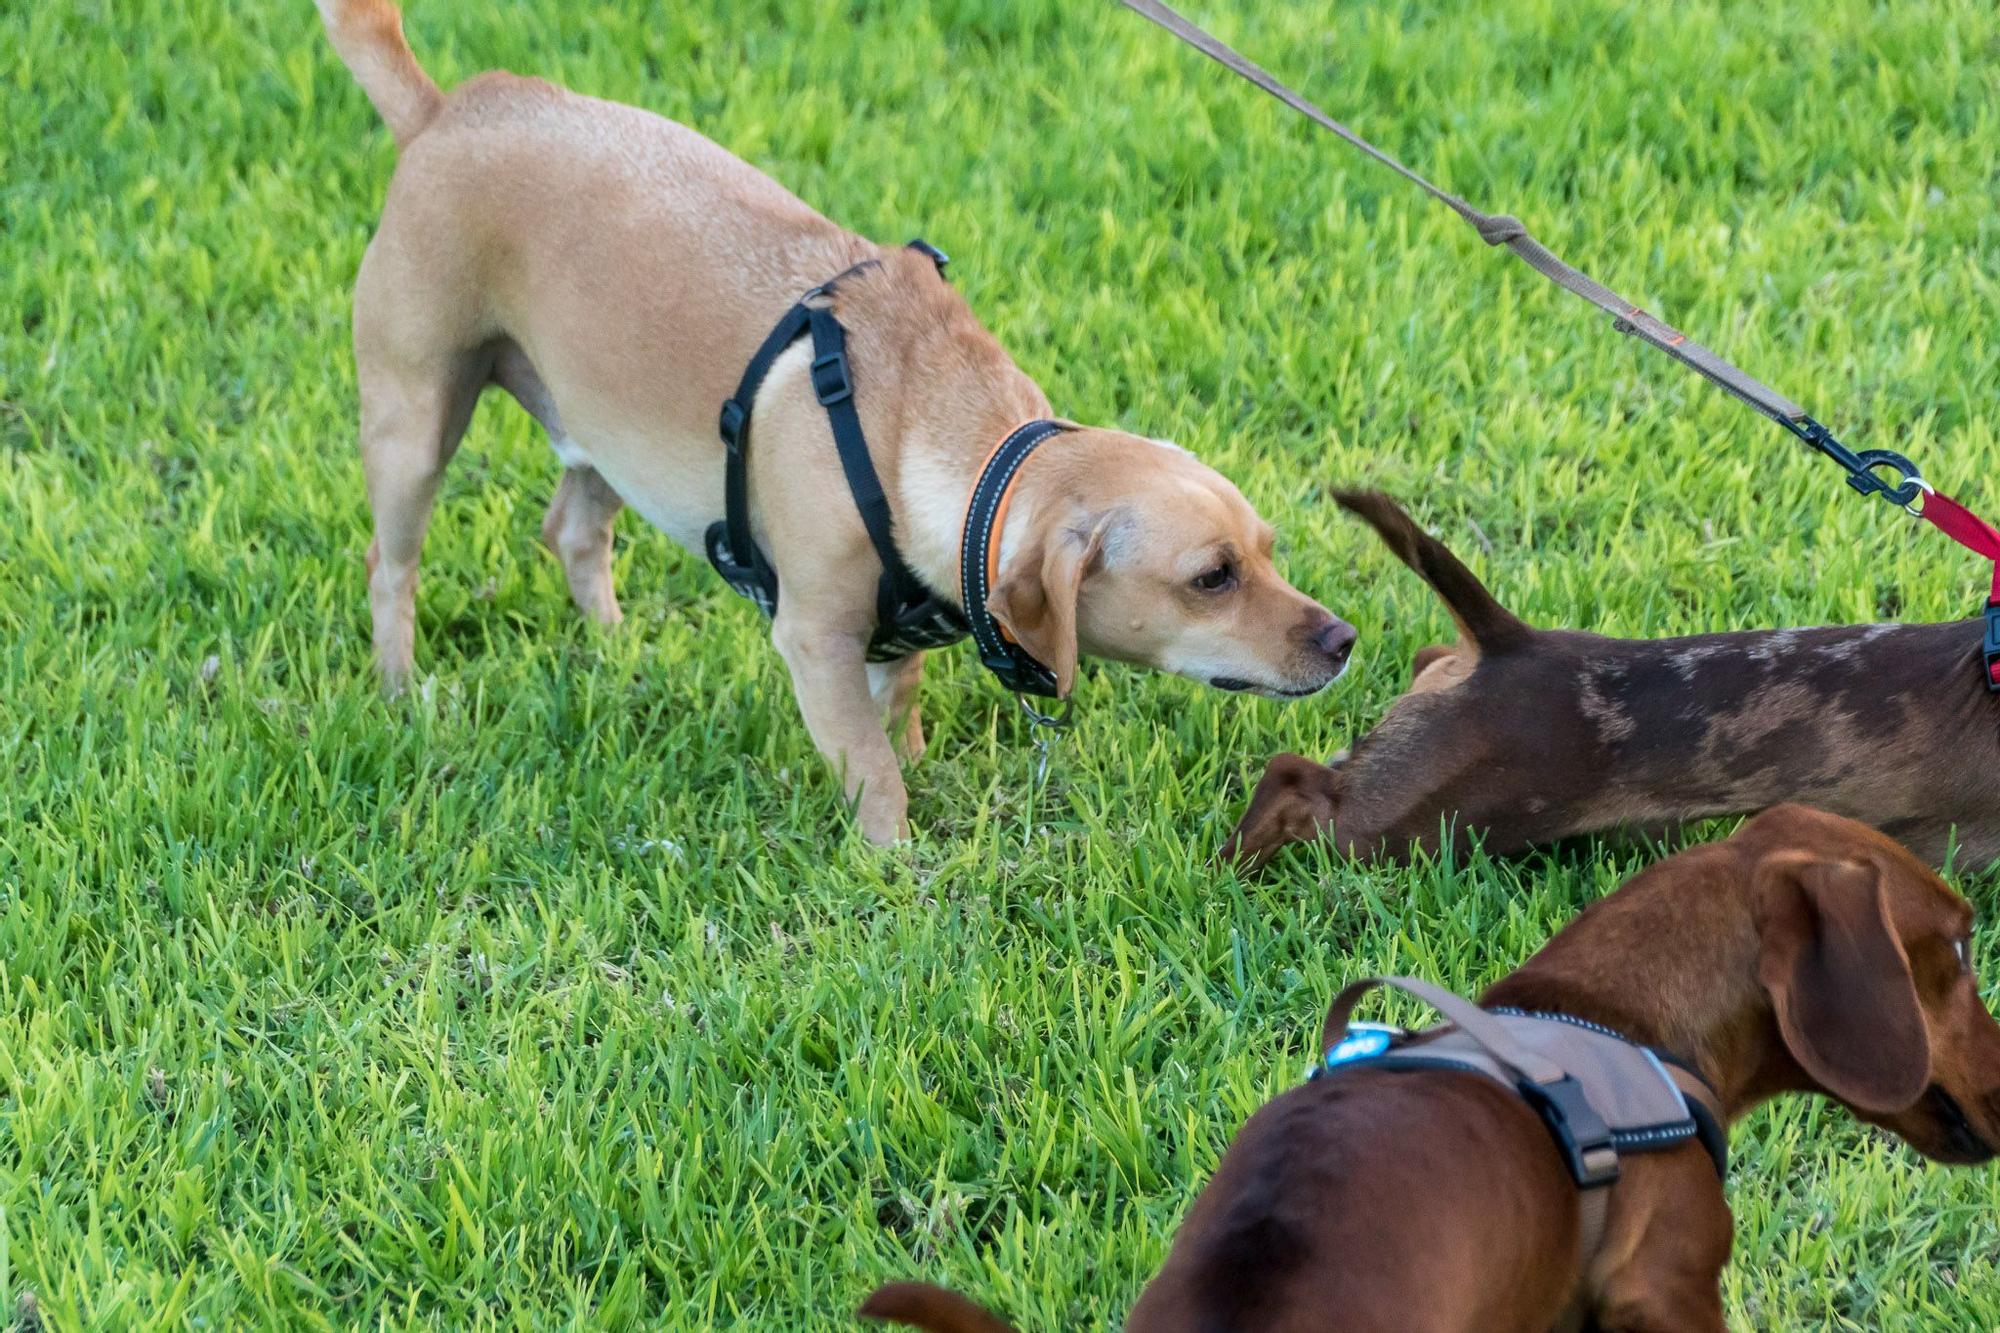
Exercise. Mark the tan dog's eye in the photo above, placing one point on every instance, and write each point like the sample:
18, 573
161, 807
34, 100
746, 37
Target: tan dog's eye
1215, 580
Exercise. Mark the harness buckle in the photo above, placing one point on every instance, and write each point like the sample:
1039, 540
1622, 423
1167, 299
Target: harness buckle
830, 380
1992, 648
734, 419
1579, 1131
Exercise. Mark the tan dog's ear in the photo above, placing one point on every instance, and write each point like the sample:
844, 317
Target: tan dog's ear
1295, 800
1037, 606
1840, 982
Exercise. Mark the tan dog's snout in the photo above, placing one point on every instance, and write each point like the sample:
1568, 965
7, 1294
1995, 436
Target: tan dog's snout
1327, 641
1186, 582
1315, 652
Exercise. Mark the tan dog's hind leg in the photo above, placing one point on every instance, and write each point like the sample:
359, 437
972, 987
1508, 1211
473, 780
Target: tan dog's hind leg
580, 518
578, 530
893, 686
830, 677
411, 422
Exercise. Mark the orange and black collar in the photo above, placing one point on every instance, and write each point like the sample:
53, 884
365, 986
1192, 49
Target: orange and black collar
979, 560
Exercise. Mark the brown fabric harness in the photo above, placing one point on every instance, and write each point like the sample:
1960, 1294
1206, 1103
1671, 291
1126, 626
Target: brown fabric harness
1599, 1094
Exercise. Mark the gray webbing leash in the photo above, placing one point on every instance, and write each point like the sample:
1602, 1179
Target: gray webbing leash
1626, 316
1941, 511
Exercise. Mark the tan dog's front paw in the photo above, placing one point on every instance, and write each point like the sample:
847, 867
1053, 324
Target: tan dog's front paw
602, 608
395, 681
884, 823
886, 835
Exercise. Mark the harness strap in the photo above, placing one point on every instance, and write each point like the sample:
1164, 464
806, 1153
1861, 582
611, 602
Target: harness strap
908, 617
1593, 1220
979, 560
1475, 1022
1711, 1122
833, 385
1594, 1206
731, 547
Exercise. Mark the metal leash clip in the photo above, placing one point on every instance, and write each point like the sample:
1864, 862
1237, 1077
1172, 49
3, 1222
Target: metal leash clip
1860, 467
1048, 728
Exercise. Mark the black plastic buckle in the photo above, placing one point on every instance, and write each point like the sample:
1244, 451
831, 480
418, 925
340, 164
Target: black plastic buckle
1000, 662
734, 418
930, 252
1018, 674
830, 382
1580, 1133
1993, 647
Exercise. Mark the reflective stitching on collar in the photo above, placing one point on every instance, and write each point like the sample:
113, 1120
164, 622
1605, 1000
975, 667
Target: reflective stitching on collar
1017, 669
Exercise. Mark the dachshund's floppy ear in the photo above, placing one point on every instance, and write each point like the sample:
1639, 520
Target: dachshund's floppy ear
921, 1305
1295, 801
1839, 981
1036, 605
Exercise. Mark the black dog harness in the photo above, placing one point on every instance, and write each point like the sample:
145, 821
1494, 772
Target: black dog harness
909, 617
1600, 1095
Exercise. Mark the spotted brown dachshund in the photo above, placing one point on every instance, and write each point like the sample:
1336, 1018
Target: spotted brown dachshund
1525, 736
1807, 953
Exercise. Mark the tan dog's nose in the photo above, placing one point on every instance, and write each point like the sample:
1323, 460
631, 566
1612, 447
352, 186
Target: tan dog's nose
1332, 638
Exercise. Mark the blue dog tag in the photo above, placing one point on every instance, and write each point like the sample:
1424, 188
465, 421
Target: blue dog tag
1364, 1041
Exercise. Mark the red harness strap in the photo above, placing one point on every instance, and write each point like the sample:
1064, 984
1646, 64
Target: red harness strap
1974, 533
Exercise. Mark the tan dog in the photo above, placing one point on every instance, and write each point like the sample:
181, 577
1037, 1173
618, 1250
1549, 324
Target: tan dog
1807, 953
614, 272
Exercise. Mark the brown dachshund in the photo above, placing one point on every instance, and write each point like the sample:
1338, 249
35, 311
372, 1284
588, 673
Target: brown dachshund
1526, 736
1807, 953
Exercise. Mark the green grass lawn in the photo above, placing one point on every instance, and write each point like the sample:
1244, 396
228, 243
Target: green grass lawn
561, 992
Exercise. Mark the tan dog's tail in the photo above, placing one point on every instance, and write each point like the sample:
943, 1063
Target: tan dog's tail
368, 34
1487, 624
921, 1305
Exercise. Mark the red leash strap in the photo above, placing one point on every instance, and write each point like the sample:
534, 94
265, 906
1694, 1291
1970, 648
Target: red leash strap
1966, 528
1975, 534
